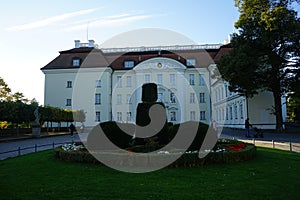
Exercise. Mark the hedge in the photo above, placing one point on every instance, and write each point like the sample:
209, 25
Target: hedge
169, 131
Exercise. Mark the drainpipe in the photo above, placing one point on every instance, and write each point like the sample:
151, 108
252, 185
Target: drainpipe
247, 105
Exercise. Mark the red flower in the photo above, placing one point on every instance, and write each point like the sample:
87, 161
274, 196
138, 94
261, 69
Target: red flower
129, 151
237, 147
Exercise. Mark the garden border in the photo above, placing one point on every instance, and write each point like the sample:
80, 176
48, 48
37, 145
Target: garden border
188, 159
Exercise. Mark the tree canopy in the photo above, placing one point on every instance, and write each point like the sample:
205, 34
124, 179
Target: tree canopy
266, 51
17, 109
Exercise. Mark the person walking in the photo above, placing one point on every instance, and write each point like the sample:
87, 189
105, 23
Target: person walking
72, 129
247, 128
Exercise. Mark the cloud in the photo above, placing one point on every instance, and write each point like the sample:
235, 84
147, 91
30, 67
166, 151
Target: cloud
113, 20
50, 20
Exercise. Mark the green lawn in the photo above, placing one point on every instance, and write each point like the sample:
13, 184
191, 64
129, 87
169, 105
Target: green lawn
274, 174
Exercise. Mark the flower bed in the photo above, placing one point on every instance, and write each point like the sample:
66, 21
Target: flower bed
225, 151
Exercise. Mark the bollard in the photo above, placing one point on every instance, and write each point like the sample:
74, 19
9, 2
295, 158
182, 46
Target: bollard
291, 147
19, 151
35, 148
273, 144
254, 141
53, 145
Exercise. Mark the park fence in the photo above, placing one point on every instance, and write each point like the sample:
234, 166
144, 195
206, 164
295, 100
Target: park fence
31, 149
287, 145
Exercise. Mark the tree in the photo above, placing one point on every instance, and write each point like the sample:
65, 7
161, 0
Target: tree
18, 96
79, 116
266, 50
6, 95
5, 91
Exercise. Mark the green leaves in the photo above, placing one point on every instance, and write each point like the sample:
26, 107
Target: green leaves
6, 95
19, 112
266, 52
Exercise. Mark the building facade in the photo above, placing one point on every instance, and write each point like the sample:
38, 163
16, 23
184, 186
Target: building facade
106, 84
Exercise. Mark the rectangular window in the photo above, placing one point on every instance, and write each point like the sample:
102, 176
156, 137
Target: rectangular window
172, 98
98, 83
223, 114
192, 97
235, 112
97, 98
69, 84
192, 115
227, 113
68, 102
119, 99
128, 98
119, 116
128, 63
191, 62
159, 79
202, 115
128, 81
160, 97
192, 79
242, 110
173, 116
128, 116
76, 62
230, 112
201, 79
119, 81
172, 79
98, 117
147, 78
202, 97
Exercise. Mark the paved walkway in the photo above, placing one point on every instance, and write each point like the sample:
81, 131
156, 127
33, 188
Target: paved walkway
285, 141
27, 143
279, 137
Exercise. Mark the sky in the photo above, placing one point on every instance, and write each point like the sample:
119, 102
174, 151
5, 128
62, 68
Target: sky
33, 32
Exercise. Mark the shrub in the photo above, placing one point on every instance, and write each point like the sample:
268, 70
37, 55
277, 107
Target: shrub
113, 132
200, 135
188, 159
149, 92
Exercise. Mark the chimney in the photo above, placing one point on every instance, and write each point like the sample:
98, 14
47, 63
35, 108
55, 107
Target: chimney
229, 39
91, 43
77, 43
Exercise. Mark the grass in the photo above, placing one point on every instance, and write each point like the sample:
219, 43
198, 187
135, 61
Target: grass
273, 174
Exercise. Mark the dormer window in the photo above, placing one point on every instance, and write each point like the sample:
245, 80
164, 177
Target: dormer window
191, 62
128, 63
76, 62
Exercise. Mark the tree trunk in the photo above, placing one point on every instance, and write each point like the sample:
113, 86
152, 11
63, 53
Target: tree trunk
278, 110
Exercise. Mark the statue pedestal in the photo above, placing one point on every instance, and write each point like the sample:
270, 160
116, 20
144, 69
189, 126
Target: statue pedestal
36, 131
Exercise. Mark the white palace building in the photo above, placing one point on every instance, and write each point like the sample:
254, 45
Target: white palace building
106, 84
